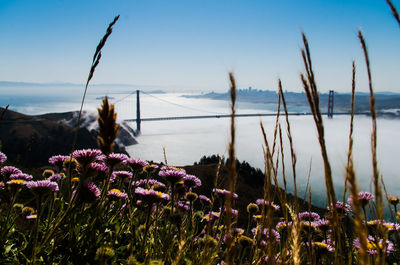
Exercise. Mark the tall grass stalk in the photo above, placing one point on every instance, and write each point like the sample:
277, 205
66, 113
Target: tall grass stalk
350, 177
292, 153
311, 90
394, 11
95, 62
377, 188
232, 173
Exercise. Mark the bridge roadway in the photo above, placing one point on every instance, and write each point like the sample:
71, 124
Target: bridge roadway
228, 115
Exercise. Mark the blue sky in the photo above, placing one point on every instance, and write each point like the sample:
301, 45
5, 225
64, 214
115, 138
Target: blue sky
193, 44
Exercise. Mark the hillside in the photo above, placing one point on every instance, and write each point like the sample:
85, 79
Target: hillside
30, 140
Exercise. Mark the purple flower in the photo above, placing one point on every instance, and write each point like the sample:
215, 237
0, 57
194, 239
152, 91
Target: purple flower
136, 164
116, 194
224, 193
21, 176
86, 156
323, 246
266, 233
120, 175
172, 175
391, 226
204, 199
114, 159
191, 181
394, 200
374, 245
363, 197
309, 216
55, 177
31, 217
267, 203
101, 167
150, 168
58, 160
148, 183
185, 206
322, 224
211, 216
151, 196
9, 170
42, 187
341, 207
15, 183
233, 211
89, 192
3, 158
282, 225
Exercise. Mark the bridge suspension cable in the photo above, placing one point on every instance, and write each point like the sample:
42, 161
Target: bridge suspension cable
169, 102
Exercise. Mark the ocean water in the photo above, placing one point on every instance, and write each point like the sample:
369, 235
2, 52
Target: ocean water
186, 141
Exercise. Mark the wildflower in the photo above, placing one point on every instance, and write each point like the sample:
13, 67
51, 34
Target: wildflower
56, 177
191, 181
21, 176
151, 168
183, 205
233, 211
15, 184
115, 159
149, 182
86, 156
116, 194
151, 196
136, 164
245, 241
391, 226
280, 226
172, 175
394, 200
122, 175
204, 199
309, 216
89, 192
58, 160
191, 196
398, 215
274, 207
70, 164
47, 173
224, 193
252, 208
275, 236
363, 197
341, 207
374, 245
323, 247
3, 158
42, 187
9, 170
322, 224
31, 217
27, 211
75, 179
211, 216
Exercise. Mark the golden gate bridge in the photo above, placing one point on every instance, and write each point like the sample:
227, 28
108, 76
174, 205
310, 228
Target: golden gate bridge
138, 120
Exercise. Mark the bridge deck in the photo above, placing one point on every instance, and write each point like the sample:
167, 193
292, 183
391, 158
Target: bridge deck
228, 115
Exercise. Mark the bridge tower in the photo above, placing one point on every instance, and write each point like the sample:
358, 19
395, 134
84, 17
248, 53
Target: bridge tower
138, 120
330, 104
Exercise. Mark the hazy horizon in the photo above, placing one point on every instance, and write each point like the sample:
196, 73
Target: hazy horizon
192, 45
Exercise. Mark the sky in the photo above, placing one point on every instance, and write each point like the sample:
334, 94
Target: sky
192, 45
